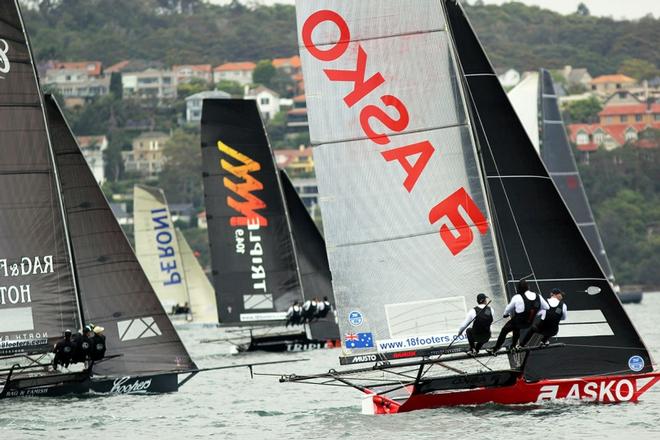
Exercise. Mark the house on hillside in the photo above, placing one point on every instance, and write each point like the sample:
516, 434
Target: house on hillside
146, 156
591, 137
93, 148
240, 72
152, 83
297, 161
290, 66
194, 103
576, 76
78, 82
624, 108
186, 72
268, 101
607, 84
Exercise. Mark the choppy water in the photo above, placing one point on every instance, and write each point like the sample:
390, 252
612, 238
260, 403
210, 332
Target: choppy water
229, 405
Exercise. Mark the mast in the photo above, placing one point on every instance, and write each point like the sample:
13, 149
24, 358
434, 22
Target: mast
51, 154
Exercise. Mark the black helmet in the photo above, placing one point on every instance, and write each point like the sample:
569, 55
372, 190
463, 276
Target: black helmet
481, 298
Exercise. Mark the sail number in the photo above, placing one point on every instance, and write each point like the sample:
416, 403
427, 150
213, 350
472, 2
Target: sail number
455, 231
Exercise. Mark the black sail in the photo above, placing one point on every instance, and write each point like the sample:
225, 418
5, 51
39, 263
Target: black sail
537, 237
255, 272
559, 160
37, 290
312, 259
115, 292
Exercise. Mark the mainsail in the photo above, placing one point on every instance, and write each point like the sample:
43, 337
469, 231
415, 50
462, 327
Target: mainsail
115, 292
312, 259
255, 272
38, 298
157, 248
200, 291
408, 230
559, 160
537, 236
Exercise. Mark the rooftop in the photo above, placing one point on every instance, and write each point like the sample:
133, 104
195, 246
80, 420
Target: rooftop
618, 78
228, 67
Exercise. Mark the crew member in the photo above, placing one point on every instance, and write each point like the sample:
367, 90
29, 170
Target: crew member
309, 310
97, 348
64, 350
83, 344
477, 324
523, 308
294, 314
548, 325
323, 308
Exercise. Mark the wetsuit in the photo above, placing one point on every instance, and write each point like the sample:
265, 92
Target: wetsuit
97, 348
478, 334
64, 350
293, 315
548, 325
308, 311
323, 309
524, 308
82, 347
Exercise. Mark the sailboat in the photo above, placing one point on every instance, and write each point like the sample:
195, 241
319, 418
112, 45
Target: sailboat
168, 261
535, 102
432, 192
266, 251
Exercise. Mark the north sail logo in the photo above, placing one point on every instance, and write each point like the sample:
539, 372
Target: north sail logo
393, 114
4, 60
243, 188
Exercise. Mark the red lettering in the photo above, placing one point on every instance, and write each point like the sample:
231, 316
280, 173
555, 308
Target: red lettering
424, 149
372, 111
339, 47
449, 207
361, 88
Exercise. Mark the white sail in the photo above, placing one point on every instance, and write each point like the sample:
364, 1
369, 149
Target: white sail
407, 227
525, 100
200, 290
157, 248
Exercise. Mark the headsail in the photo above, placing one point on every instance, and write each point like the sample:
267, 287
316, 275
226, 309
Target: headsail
200, 290
157, 248
255, 272
559, 160
537, 236
525, 99
115, 292
406, 220
37, 289
312, 259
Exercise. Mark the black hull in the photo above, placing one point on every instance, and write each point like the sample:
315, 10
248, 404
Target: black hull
148, 384
286, 343
47, 386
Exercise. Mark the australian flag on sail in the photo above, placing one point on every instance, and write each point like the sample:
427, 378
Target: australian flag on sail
359, 340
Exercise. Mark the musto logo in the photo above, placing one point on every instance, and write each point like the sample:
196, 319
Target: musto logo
4, 60
120, 385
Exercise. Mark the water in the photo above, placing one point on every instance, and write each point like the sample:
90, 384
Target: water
229, 405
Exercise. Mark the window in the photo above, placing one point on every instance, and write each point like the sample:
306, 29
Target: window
599, 137
631, 135
624, 118
264, 101
656, 116
582, 138
608, 120
618, 86
638, 118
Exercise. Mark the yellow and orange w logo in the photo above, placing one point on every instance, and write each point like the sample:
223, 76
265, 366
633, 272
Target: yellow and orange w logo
244, 189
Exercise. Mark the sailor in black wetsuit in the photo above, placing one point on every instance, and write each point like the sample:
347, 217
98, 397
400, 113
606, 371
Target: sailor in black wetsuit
548, 324
309, 310
97, 348
294, 314
323, 308
523, 308
481, 317
64, 350
83, 341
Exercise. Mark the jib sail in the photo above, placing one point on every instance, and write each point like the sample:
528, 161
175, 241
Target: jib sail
407, 225
115, 292
37, 289
538, 239
255, 272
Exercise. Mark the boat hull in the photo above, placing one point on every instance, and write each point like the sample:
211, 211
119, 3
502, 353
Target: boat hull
631, 297
46, 386
601, 389
286, 343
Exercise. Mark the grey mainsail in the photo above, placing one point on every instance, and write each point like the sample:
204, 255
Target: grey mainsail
115, 292
38, 299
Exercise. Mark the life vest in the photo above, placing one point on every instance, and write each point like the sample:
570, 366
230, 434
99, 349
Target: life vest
323, 312
532, 306
483, 320
309, 310
552, 317
97, 347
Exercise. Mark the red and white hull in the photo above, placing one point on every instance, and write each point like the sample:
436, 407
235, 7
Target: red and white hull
602, 389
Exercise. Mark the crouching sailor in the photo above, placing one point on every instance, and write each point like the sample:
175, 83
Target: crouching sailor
64, 350
323, 308
548, 325
294, 314
97, 349
524, 306
309, 310
477, 324
83, 341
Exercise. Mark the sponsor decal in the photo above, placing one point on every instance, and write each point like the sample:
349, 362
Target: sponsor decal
121, 385
620, 390
138, 328
393, 114
166, 253
636, 363
418, 342
359, 340
355, 318
5, 66
364, 358
270, 316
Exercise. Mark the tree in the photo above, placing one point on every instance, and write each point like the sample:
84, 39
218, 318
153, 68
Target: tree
116, 87
231, 87
181, 177
264, 73
195, 85
582, 10
584, 111
638, 69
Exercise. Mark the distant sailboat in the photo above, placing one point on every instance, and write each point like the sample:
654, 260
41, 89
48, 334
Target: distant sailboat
432, 192
266, 252
535, 103
169, 263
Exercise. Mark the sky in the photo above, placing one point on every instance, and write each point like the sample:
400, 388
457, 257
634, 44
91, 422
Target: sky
618, 9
